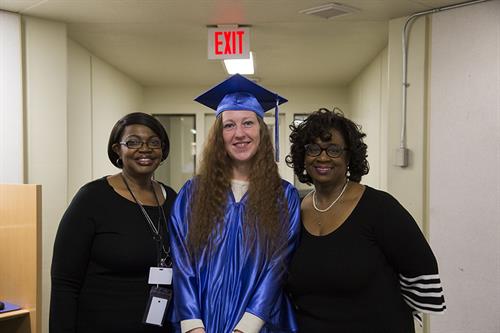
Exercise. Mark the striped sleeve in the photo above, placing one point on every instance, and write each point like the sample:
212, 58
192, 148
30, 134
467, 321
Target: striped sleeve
423, 293
411, 256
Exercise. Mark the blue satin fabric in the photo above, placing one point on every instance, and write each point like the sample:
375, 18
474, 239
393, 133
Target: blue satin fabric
220, 288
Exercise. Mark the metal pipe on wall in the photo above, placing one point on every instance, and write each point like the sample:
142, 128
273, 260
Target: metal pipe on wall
402, 153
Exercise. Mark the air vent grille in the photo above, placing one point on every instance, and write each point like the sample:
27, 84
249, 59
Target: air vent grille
330, 10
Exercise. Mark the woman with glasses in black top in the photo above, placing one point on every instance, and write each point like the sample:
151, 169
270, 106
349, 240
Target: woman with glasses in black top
362, 264
113, 231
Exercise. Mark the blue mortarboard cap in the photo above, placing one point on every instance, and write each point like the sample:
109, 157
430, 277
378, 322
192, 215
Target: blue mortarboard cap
239, 93
236, 92
240, 101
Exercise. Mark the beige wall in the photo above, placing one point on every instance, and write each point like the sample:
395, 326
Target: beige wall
11, 99
453, 106
46, 135
464, 193
80, 159
375, 103
408, 184
113, 95
368, 108
98, 95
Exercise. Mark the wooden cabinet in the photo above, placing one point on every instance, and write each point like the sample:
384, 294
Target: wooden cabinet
20, 256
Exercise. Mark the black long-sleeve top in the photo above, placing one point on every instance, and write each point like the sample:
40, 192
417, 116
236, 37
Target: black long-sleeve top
369, 275
102, 254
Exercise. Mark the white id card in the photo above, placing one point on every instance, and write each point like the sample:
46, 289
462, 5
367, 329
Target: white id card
160, 275
156, 311
159, 299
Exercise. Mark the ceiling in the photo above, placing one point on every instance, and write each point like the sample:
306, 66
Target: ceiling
164, 42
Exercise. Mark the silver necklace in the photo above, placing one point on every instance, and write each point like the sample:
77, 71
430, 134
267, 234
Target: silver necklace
333, 202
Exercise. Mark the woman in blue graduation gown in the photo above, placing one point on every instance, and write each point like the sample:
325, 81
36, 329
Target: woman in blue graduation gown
235, 225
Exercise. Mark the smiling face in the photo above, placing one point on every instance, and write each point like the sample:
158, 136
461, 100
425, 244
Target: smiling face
141, 161
241, 134
324, 169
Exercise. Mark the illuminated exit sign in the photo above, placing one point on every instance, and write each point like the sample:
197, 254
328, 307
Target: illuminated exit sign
228, 42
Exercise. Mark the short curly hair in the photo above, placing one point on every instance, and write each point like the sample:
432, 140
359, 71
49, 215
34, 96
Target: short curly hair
318, 125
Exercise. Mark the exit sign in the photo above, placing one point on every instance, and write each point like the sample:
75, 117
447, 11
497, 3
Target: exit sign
228, 43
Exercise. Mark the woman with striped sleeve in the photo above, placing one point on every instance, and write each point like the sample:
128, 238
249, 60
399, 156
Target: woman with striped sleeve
362, 264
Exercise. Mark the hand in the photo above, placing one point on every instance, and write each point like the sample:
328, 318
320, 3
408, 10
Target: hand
197, 330
238, 331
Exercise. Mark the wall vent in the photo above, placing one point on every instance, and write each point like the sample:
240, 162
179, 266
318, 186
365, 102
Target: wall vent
330, 10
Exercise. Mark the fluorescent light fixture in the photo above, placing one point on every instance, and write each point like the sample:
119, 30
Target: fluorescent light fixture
240, 66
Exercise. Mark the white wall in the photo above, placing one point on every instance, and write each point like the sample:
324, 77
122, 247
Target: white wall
80, 159
98, 95
11, 99
165, 100
451, 186
113, 95
46, 136
464, 165
408, 184
368, 108
375, 103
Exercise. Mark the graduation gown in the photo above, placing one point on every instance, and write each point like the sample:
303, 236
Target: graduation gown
219, 288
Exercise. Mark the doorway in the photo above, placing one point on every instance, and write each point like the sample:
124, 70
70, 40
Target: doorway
180, 165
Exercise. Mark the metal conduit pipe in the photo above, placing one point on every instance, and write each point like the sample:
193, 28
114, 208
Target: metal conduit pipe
402, 159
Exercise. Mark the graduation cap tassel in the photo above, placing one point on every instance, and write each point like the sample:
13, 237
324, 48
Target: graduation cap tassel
276, 130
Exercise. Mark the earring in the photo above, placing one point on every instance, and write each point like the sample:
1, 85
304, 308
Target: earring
348, 172
119, 162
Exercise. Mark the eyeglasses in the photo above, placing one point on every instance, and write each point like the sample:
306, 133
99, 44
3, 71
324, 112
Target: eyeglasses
154, 143
332, 150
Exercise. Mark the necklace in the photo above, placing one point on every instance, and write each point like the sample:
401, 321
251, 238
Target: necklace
163, 255
333, 202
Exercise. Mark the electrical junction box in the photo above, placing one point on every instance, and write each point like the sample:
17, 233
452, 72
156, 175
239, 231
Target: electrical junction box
401, 158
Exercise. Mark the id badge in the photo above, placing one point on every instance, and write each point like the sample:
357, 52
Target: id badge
159, 300
160, 275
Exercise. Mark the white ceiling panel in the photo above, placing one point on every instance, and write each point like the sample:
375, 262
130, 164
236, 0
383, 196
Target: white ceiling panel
164, 42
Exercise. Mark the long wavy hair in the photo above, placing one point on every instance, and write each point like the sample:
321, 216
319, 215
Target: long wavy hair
266, 214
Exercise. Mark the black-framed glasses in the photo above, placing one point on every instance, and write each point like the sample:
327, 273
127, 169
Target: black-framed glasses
332, 150
153, 143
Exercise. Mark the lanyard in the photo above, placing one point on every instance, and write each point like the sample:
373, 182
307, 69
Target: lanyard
162, 255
